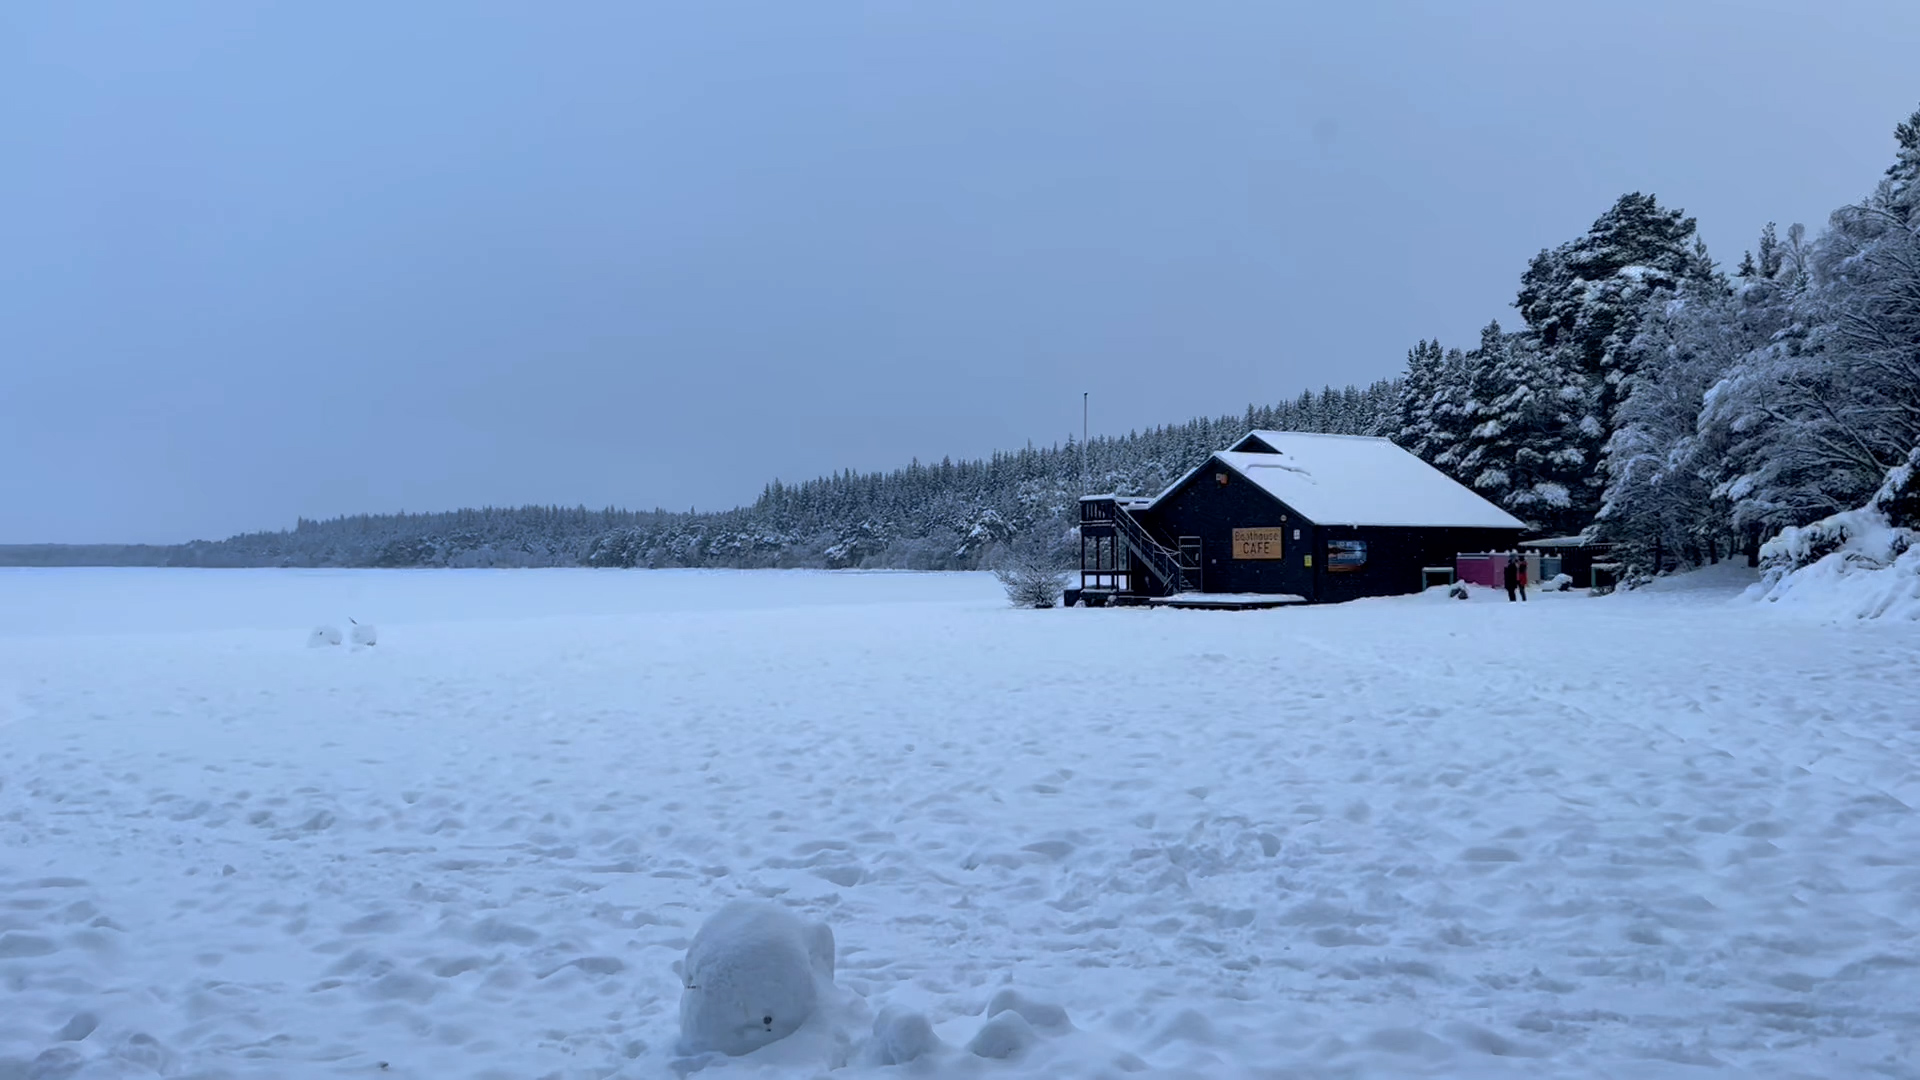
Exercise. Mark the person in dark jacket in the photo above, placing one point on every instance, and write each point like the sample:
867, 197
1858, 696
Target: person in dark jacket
1512, 576
1522, 560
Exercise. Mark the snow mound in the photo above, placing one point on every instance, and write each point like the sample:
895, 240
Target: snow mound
363, 635
1858, 564
322, 636
1037, 1013
754, 974
1040, 1036
1007, 1035
900, 1037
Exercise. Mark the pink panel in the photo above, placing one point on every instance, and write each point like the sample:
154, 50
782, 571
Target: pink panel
1480, 569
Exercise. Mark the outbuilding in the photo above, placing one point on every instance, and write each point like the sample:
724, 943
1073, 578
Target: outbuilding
1309, 517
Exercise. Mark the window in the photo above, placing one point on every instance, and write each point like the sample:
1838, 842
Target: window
1346, 555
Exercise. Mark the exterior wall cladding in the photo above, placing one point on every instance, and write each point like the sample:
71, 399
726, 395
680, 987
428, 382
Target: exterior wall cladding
1205, 508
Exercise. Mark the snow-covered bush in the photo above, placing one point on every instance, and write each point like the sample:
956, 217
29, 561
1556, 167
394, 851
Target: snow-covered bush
1028, 586
1899, 497
1033, 571
1560, 583
1862, 536
1861, 563
753, 975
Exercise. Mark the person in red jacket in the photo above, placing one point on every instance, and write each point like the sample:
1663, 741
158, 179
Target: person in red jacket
1515, 577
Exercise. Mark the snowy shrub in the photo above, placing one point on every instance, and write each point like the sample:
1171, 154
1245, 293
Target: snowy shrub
1030, 586
1862, 536
1851, 583
1899, 497
1560, 583
1861, 563
1457, 590
322, 636
1874, 535
1033, 571
753, 975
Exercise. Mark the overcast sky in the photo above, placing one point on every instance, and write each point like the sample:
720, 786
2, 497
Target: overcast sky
261, 261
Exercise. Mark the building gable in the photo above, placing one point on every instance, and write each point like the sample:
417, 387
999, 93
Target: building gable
1252, 443
1203, 484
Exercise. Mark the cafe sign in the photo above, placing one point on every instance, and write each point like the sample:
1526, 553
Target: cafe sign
1257, 543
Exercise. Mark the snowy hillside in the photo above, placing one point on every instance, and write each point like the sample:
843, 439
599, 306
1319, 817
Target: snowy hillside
1658, 834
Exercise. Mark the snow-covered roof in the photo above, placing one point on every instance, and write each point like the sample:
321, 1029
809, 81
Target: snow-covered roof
1357, 480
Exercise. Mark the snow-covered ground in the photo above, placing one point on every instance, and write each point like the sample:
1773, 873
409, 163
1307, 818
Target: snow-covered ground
1667, 833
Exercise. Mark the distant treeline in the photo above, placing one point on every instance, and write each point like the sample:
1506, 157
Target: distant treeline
87, 555
946, 516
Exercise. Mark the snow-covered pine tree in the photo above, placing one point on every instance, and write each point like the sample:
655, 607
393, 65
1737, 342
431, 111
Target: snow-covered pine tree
1903, 176
1584, 299
1452, 413
1586, 295
1382, 409
1421, 395
1525, 450
1772, 257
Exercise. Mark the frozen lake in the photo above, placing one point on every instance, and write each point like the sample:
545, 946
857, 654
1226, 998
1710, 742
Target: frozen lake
1645, 835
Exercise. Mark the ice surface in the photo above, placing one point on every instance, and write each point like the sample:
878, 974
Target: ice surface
1663, 833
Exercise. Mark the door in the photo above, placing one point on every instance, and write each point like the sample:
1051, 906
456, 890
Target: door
1190, 563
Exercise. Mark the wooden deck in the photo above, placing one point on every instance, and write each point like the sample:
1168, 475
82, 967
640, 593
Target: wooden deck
1200, 601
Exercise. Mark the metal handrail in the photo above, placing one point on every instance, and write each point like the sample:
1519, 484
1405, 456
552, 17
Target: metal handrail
1162, 561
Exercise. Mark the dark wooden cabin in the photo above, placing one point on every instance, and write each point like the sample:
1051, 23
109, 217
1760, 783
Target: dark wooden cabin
1574, 556
1287, 516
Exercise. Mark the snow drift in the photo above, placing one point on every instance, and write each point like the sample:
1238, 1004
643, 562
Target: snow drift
1860, 564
